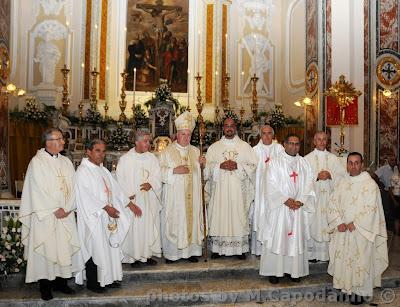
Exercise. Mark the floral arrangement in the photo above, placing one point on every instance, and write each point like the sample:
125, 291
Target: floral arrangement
231, 114
163, 94
141, 117
119, 138
11, 248
276, 118
93, 117
32, 112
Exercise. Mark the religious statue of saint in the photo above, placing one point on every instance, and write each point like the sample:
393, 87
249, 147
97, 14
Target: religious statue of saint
47, 55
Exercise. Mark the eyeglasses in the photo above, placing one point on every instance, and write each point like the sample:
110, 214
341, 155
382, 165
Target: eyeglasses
57, 139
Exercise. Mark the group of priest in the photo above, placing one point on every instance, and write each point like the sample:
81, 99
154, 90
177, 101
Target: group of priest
267, 200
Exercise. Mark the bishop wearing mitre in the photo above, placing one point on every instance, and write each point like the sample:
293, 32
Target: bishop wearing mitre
181, 216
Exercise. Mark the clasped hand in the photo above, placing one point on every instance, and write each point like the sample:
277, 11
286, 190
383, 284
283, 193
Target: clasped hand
181, 169
60, 213
324, 175
228, 165
145, 186
343, 227
292, 204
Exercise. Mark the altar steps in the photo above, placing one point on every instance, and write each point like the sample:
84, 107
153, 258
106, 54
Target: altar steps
221, 281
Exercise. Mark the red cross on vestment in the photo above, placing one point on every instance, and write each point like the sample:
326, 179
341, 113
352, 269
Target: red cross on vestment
294, 175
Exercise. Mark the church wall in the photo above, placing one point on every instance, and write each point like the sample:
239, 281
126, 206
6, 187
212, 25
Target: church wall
294, 55
347, 39
385, 74
5, 24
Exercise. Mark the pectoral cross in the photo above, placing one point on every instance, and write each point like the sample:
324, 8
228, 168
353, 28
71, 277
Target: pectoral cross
266, 160
294, 175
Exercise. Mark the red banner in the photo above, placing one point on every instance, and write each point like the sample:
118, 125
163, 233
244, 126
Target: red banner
333, 112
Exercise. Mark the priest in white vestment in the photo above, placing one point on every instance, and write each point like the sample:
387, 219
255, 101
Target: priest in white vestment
102, 220
266, 150
290, 204
49, 233
358, 248
139, 175
327, 171
182, 215
231, 166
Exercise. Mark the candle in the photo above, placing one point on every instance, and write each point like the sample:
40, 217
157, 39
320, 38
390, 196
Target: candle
242, 74
216, 87
226, 53
199, 52
255, 53
188, 74
134, 87
83, 80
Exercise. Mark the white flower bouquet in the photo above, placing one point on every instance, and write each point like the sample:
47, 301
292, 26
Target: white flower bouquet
11, 248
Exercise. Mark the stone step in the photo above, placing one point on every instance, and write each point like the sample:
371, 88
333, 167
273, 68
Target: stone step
182, 270
316, 287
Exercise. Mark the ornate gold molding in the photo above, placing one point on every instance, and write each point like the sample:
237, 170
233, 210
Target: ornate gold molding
87, 48
209, 53
103, 49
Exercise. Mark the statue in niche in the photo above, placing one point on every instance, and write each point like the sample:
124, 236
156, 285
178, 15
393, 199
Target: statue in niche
47, 55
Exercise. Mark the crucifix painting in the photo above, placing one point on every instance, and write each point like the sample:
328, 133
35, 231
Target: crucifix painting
157, 44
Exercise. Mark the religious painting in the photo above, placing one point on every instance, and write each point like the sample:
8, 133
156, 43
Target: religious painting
4, 40
157, 44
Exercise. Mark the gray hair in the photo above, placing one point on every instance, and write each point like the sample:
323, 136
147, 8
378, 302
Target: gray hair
141, 133
94, 142
260, 130
46, 136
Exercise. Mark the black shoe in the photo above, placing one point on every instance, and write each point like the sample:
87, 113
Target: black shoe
64, 289
193, 259
45, 289
96, 289
136, 264
151, 261
241, 257
356, 299
341, 297
273, 280
167, 261
46, 295
215, 256
313, 260
295, 279
114, 285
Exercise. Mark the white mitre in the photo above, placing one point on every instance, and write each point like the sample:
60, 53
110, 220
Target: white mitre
185, 121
